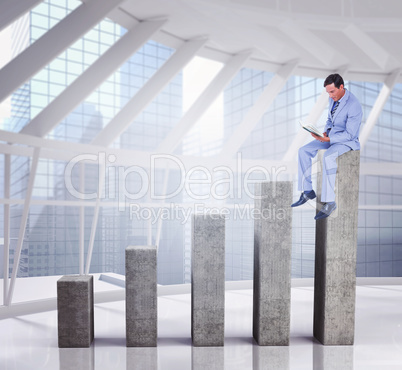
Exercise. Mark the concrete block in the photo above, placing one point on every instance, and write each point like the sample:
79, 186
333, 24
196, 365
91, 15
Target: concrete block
335, 257
272, 263
75, 311
141, 296
208, 280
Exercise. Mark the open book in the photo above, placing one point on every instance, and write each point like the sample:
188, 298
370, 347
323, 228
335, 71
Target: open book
311, 128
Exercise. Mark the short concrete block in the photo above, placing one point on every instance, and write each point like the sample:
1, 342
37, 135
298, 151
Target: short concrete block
141, 296
335, 258
208, 280
75, 311
272, 263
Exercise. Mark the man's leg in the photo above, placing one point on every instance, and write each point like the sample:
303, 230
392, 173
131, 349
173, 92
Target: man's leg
329, 168
306, 153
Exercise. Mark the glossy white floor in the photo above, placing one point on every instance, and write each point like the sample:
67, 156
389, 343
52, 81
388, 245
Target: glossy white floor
30, 341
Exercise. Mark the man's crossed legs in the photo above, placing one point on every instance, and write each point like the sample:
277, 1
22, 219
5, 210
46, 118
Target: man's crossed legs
329, 167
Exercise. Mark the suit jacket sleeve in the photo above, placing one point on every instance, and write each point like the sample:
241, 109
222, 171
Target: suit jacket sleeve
328, 124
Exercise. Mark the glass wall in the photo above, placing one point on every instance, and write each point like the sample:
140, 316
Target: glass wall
379, 251
51, 244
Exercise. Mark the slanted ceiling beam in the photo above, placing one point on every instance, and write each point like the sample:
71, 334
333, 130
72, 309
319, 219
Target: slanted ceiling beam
23, 224
52, 43
94, 75
371, 48
317, 47
208, 96
11, 10
378, 106
255, 113
148, 92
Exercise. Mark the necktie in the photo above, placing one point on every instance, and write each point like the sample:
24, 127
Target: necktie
335, 106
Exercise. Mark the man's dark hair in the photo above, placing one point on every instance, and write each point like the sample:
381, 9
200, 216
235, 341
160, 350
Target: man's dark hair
335, 79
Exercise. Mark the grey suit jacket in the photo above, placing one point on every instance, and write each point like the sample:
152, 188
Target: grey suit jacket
345, 125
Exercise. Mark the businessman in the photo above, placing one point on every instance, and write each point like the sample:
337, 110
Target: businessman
341, 135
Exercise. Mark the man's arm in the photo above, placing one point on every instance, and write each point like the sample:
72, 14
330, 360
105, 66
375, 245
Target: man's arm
352, 125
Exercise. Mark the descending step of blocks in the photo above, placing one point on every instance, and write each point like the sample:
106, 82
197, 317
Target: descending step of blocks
141, 297
208, 280
272, 263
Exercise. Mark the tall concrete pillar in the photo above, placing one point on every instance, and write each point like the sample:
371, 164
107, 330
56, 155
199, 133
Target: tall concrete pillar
208, 280
141, 297
272, 263
75, 311
335, 257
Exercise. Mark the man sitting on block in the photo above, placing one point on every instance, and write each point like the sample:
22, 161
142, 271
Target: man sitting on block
341, 135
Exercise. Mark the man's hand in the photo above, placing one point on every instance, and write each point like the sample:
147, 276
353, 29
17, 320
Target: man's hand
322, 139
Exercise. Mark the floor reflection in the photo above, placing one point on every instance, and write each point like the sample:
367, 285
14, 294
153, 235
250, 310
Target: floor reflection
332, 357
142, 358
77, 358
270, 358
211, 358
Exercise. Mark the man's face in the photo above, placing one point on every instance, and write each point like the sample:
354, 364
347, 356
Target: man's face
334, 92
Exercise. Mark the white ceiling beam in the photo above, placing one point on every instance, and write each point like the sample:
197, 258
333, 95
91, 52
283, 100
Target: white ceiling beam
255, 113
23, 224
93, 76
52, 43
371, 48
11, 10
148, 92
200, 106
125, 157
6, 252
66, 151
378, 106
102, 175
317, 47
81, 233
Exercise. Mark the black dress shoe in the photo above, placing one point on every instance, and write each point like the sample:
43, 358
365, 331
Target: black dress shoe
304, 197
326, 210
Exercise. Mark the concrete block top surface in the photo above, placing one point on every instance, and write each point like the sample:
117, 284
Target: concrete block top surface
208, 216
141, 247
75, 278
